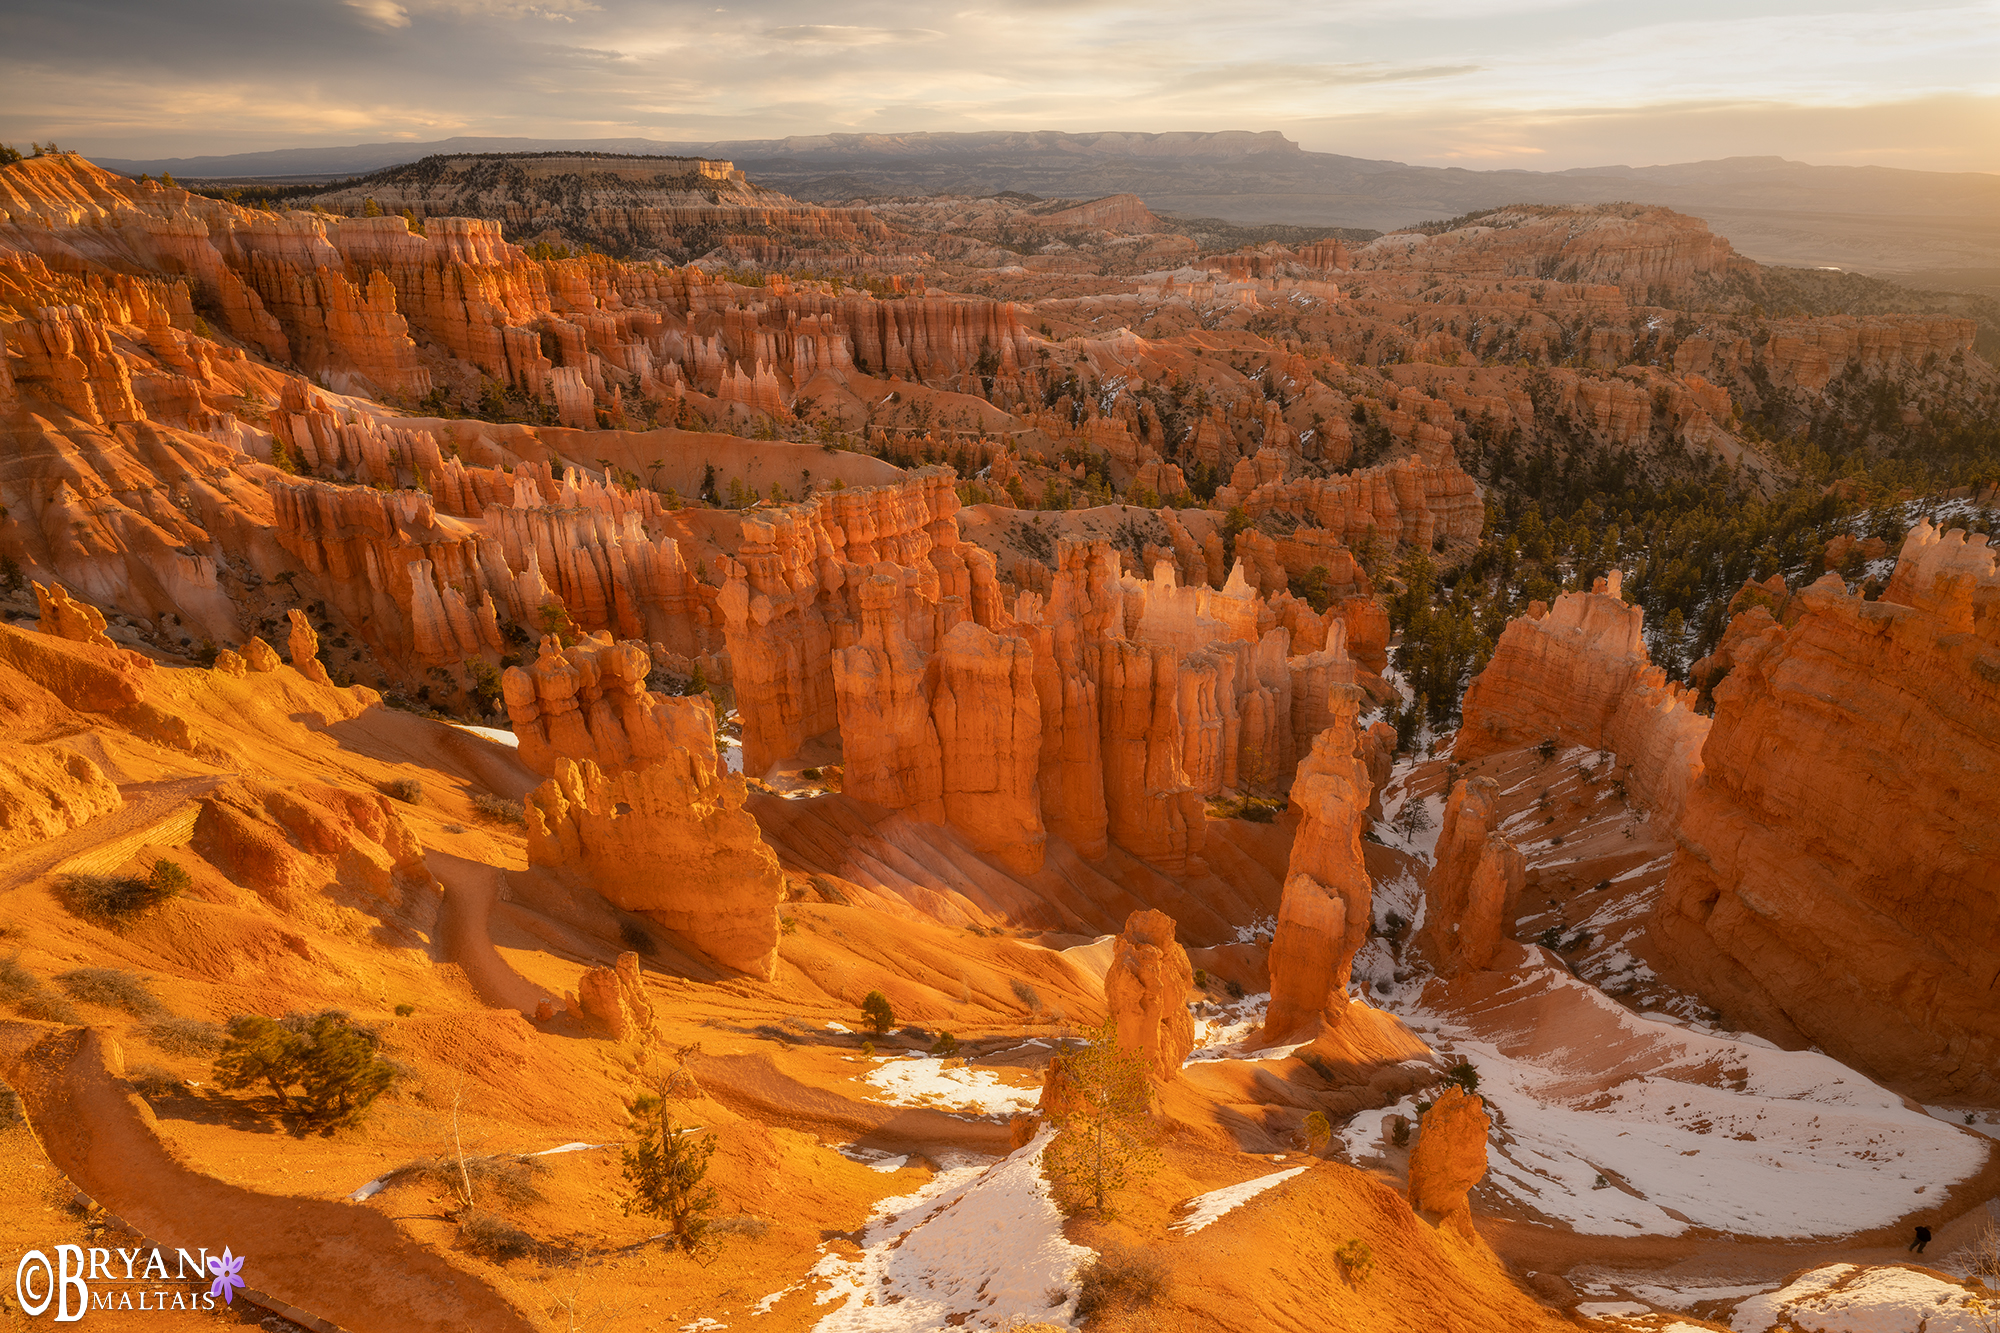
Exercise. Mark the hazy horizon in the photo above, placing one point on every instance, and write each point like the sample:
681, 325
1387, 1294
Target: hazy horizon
1537, 84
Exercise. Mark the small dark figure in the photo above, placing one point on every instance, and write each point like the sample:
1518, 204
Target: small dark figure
1923, 1239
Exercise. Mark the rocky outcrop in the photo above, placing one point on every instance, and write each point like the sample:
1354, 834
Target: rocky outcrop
1578, 674
1838, 878
1414, 501
889, 744
590, 702
1473, 891
1635, 247
615, 998
289, 842
1153, 811
1449, 1157
45, 791
304, 646
670, 841
1146, 993
1324, 915
67, 618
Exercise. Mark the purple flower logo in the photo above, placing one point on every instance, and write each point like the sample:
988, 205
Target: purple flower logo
226, 1283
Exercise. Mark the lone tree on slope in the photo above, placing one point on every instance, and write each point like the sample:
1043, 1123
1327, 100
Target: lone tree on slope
1100, 1100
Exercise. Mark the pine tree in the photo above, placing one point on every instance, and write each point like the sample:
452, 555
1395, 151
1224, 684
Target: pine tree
1101, 1100
666, 1167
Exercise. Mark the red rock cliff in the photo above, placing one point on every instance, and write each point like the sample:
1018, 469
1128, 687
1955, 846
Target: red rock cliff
1838, 879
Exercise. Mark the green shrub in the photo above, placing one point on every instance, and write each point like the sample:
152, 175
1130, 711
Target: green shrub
876, 1012
11, 1113
332, 1062
110, 900
407, 790
1399, 1131
405, 1010
1121, 1280
30, 998
1464, 1074
1356, 1260
1106, 1137
111, 988
183, 1036
946, 1045
169, 878
498, 808
16, 980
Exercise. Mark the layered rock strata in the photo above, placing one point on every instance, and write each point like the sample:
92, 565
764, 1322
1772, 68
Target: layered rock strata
670, 841
1838, 876
1577, 673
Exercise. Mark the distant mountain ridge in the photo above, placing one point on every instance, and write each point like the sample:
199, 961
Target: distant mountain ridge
1920, 225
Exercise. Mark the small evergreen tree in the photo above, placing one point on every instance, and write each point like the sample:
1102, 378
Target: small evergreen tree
334, 1064
876, 1011
1101, 1103
666, 1166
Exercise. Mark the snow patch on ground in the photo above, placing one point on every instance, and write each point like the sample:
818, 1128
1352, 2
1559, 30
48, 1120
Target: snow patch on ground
1682, 1298
494, 734
1230, 1033
978, 1247
1216, 1204
875, 1159
1983, 1121
924, 1080
1258, 931
1842, 1298
1229, 1026
1797, 1141
1421, 841
1611, 1309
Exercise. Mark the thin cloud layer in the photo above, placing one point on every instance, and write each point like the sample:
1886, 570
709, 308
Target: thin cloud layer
1542, 83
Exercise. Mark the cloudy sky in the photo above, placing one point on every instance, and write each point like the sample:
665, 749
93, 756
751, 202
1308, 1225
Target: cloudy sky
1546, 84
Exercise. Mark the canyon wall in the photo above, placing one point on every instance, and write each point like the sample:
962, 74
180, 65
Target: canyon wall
1838, 877
1577, 673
